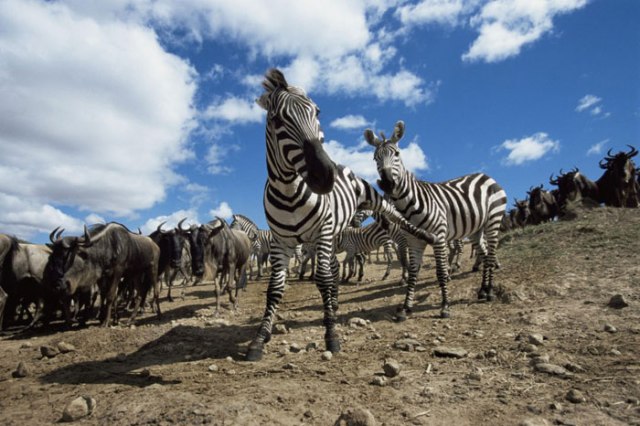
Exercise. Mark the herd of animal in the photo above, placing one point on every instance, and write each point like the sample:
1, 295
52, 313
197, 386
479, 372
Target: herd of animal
314, 209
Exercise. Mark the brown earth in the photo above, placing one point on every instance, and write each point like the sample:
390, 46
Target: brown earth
556, 281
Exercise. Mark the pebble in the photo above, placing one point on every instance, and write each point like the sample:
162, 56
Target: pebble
356, 417
552, 369
618, 302
78, 408
229, 359
379, 381
573, 367
21, 371
575, 396
217, 322
326, 356
408, 345
615, 352
391, 367
290, 366
213, 368
311, 346
65, 347
145, 372
556, 406
49, 351
539, 359
535, 421
295, 348
536, 339
280, 329
26, 345
447, 352
357, 322
610, 329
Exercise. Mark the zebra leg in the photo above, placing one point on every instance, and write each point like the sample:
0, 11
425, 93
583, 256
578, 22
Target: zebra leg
329, 292
486, 289
415, 262
280, 260
386, 273
360, 259
442, 272
335, 272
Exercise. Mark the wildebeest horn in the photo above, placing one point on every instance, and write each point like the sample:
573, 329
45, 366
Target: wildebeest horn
53, 237
609, 156
87, 238
575, 169
561, 172
181, 222
159, 228
633, 152
552, 181
603, 166
541, 185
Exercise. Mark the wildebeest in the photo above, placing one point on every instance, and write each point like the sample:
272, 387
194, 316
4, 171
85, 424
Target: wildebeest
7, 243
573, 186
170, 262
106, 254
522, 213
542, 205
617, 186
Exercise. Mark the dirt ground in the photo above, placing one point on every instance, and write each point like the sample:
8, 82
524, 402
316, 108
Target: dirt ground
551, 332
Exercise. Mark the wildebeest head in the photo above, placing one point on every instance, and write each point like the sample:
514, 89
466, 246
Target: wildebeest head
64, 254
197, 238
170, 243
621, 166
387, 157
294, 142
522, 212
569, 186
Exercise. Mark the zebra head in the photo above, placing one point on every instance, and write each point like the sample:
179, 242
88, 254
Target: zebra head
387, 157
294, 136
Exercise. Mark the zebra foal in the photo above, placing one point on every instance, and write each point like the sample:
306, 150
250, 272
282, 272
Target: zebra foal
469, 206
307, 199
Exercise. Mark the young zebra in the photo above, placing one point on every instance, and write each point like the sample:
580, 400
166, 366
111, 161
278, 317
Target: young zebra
469, 206
357, 241
307, 198
260, 240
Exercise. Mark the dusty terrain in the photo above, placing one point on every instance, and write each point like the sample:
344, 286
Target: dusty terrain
555, 283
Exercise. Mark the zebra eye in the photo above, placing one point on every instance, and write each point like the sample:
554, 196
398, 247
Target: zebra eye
317, 112
397, 153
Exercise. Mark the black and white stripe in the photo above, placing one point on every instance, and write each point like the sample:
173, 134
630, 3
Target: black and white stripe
260, 240
469, 206
355, 241
307, 198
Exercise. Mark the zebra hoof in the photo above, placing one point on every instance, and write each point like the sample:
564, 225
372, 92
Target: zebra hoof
445, 313
482, 295
401, 316
333, 345
490, 296
254, 354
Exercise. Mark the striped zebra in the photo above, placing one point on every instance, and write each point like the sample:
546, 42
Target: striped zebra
356, 241
260, 240
469, 206
307, 198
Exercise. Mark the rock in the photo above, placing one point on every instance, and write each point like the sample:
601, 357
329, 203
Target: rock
552, 369
379, 381
391, 367
26, 345
615, 352
573, 367
575, 396
78, 408
229, 359
231, 372
290, 366
408, 345
311, 346
217, 322
539, 359
213, 368
295, 348
536, 339
535, 421
49, 351
21, 371
326, 356
280, 329
356, 417
491, 353
447, 352
145, 372
618, 302
65, 347
357, 322
610, 329
556, 406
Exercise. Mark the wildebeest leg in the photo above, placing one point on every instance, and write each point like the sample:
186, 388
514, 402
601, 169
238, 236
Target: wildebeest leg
280, 256
3, 302
109, 299
232, 285
415, 262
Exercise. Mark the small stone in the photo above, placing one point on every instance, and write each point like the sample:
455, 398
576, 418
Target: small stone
575, 396
311, 346
408, 344
65, 347
356, 417
536, 339
379, 381
491, 353
145, 373
280, 329
213, 368
615, 352
290, 366
540, 359
447, 352
535, 421
326, 356
618, 302
552, 369
357, 322
295, 348
21, 371
229, 359
391, 367
26, 345
230, 372
78, 408
556, 406
49, 351
219, 322
573, 367
376, 336
610, 329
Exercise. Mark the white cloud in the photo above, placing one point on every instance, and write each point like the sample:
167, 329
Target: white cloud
506, 26
216, 156
223, 210
94, 218
432, 11
235, 110
587, 101
349, 122
171, 220
597, 148
360, 158
82, 100
528, 149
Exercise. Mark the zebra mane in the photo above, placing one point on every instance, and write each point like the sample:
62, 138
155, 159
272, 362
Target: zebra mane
241, 218
274, 79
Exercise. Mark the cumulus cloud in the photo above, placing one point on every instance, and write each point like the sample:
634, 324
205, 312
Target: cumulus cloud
223, 210
81, 100
587, 101
447, 12
171, 221
506, 26
235, 110
527, 149
359, 158
597, 148
349, 122
216, 158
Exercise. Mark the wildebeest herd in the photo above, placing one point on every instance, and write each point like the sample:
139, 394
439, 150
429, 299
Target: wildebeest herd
314, 209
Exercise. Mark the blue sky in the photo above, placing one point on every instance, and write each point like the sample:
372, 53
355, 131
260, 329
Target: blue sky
143, 111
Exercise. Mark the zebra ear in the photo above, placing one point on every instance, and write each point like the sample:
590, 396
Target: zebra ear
263, 101
398, 132
371, 138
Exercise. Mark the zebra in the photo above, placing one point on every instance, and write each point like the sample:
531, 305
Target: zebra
260, 240
469, 206
307, 198
303, 254
356, 241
